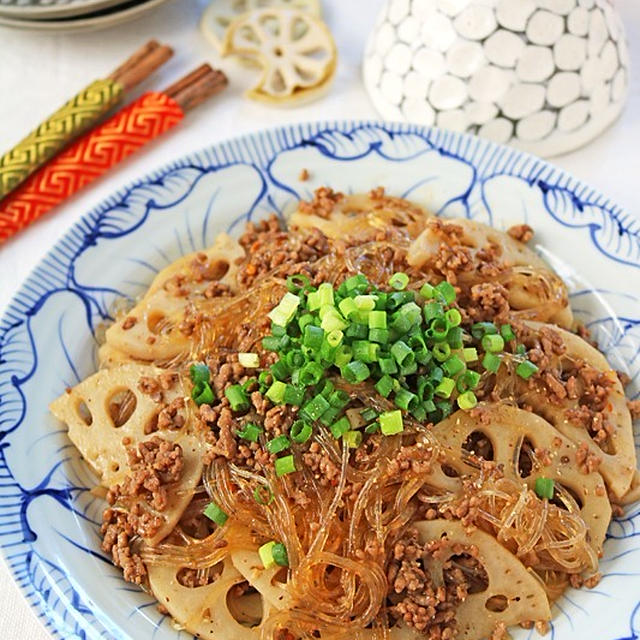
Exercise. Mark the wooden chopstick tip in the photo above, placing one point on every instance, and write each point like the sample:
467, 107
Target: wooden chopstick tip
198, 85
141, 64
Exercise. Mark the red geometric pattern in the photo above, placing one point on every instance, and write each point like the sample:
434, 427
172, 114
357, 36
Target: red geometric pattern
87, 159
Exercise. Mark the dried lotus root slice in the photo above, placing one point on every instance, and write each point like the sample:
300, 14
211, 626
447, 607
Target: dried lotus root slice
513, 595
155, 334
533, 288
507, 429
207, 611
617, 453
221, 13
295, 50
106, 408
362, 217
109, 356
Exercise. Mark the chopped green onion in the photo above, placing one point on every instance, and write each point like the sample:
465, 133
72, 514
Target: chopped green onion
453, 366
379, 336
258, 497
278, 444
293, 395
279, 554
202, 393
313, 301
545, 488
365, 303
271, 343
399, 281
391, 422
284, 311
340, 427
491, 362
358, 282
249, 360
199, 373
388, 365
347, 307
279, 370
300, 431
303, 321
493, 343
311, 373
357, 330
325, 294
453, 316
342, 355
447, 291
334, 338
333, 321
285, 465
384, 386
405, 399
353, 439
526, 369
355, 371
454, 337
432, 310
521, 349
441, 351
215, 513
402, 353
313, 337
468, 380
297, 282
251, 432
365, 351
467, 400
369, 414
266, 555
313, 409
445, 387
237, 397
372, 428
470, 354
377, 320
427, 291
276, 391
339, 399
506, 331
480, 329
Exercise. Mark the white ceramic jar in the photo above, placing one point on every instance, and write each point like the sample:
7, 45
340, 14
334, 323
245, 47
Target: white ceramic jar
546, 76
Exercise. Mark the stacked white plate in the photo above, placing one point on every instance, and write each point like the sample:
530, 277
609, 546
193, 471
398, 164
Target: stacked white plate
70, 15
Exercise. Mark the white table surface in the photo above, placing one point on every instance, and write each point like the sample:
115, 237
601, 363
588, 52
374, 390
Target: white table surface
39, 72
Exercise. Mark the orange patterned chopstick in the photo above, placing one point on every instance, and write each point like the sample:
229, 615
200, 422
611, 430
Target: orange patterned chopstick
105, 146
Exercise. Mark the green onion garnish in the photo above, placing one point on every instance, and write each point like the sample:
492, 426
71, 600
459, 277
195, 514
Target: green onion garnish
300, 431
493, 343
313, 409
506, 331
215, 513
447, 291
251, 432
399, 281
278, 444
199, 373
491, 362
279, 554
202, 393
526, 369
259, 498
249, 360
467, 400
340, 427
284, 311
353, 439
285, 465
237, 397
391, 422
545, 488
276, 391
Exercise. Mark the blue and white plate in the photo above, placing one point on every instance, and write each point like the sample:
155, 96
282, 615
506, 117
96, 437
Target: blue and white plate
49, 520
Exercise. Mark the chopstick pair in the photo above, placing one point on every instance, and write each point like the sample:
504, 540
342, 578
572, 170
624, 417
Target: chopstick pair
106, 145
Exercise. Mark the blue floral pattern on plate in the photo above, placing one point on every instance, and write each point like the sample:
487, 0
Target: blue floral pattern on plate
49, 520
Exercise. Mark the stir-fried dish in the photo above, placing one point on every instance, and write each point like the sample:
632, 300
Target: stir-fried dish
367, 423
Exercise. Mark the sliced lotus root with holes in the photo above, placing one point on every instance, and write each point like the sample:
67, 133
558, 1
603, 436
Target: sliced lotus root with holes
151, 330
534, 290
210, 611
513, 595
295, 50
106, 408
361, 217
109, 356
507, 430
617, 453
221, 13
248, 563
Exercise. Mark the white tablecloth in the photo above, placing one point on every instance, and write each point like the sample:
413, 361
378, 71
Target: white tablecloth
39, 72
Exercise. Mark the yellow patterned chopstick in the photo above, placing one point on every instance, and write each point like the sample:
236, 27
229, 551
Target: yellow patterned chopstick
77, 115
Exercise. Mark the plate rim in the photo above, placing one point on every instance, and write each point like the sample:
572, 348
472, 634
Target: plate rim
50, 11
291, 135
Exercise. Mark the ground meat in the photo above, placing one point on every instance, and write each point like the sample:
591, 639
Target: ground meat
323, 202
217, 290
419, 603
586, 460
303, 176
170, 417
225, 443
192, 578
278, 420
155, 464
151, 387
521, 232
488, 300
117, 533
323, 468
416, 457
